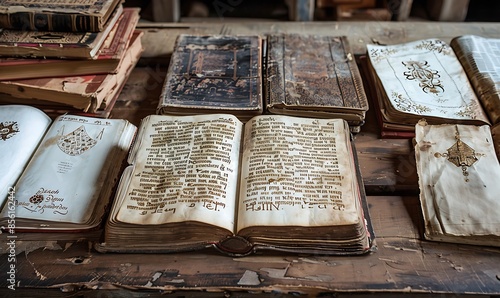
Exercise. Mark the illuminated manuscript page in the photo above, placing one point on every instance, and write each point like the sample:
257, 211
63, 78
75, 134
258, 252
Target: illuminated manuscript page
294, 172
185, 169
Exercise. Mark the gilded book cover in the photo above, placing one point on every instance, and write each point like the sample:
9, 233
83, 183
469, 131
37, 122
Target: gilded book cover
214, 74
66, 16
314, 74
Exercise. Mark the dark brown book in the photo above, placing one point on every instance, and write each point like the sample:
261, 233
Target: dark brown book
44, 44
210, 74
314, 76
65, 16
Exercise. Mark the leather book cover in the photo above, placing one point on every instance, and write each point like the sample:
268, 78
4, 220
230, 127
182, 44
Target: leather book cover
313, 73
110, 54
213, 74
64, 16
26, 43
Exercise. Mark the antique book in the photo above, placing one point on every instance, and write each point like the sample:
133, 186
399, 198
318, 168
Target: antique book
106, 61
46, 44
480, 58
65, 16
58, 175
495, 132
458, 179
324, 82
278, 182
421, 79
88, 93
214, 74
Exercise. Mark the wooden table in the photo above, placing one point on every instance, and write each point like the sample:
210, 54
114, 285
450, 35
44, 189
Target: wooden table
403, 264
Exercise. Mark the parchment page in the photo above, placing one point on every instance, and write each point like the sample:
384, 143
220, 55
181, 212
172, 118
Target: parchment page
459, 179
296, 172
21, 129
63, 180
185, 169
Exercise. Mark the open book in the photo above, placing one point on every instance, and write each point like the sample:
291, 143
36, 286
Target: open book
278, 182
425, 79
58, 176
458, 179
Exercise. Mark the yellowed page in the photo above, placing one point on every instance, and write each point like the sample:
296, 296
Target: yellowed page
296, 171
185, 169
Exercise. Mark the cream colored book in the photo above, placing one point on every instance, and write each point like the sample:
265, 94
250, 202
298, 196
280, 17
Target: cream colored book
458, 179
58, 175
277, 182
422, 79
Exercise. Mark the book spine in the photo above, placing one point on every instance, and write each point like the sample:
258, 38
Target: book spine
48, 21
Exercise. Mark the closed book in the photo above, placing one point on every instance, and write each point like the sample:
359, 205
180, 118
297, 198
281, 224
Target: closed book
210, 74
314, 76
87, 93
107, 61
44, 44
64, 16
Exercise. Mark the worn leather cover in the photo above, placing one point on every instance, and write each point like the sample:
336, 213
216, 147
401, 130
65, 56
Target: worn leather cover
314, 74
213, 74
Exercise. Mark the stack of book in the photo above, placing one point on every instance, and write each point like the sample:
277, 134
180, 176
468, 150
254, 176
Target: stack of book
71, 58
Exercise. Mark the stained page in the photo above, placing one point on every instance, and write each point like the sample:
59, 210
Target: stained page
459, 180
184, 169
297, 172
21, 129
425, 78
63, 180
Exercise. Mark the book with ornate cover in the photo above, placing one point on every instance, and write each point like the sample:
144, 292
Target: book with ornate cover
106, 61
64, 16
214, 74
46, 44
480, 58
58, 175
421, 79
275, 183
88, 93
458, 179
314, 76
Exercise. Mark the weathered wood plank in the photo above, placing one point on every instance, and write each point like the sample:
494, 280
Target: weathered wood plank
403, 263
159, 38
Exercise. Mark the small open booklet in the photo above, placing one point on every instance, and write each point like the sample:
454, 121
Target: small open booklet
277, 182
58, 175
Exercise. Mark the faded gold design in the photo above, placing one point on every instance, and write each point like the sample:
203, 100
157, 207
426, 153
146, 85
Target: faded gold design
467, 111
435, 45
407, 105
461, 155
428, 79
380, 54
8, 129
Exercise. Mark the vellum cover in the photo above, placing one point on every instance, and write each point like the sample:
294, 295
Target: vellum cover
459, 187
424, 79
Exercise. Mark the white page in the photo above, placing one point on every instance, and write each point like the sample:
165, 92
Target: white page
21, 129
63, 180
